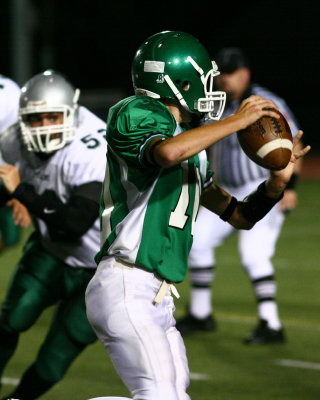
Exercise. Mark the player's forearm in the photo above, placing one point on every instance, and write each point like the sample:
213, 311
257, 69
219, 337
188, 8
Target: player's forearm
275, 187
253, 208
240, 214
278, 181
189, 143
73, 218
225, 206
215, 199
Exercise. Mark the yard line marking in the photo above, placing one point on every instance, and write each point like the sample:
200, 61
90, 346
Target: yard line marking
10, 381
242, 319
196, 376
282, 263
298, 364
235, 318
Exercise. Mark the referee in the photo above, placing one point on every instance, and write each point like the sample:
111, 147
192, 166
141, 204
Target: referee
236, 173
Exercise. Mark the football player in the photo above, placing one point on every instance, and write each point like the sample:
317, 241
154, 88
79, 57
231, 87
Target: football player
156, 179
9, 105
55, 167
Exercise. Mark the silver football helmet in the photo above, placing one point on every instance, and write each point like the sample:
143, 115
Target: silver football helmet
48, 92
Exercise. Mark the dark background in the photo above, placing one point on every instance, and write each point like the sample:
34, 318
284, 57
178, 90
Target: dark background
93, 43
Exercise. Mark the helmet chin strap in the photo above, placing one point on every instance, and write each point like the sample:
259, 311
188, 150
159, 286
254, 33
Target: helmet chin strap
76, 96
197, 68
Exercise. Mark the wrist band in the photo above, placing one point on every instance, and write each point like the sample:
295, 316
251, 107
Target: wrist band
225, 216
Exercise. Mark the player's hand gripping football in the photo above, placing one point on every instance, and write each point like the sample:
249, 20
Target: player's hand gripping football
253, 108
278, 179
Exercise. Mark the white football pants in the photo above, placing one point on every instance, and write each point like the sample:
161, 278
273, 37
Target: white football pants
140, 336
256, 246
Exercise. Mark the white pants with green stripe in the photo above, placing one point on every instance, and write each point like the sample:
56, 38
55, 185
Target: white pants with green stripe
140, 335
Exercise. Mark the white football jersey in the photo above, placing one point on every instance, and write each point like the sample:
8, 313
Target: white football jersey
80, 162
9, 104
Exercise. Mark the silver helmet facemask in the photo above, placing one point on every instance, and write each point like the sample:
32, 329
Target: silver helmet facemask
48, 92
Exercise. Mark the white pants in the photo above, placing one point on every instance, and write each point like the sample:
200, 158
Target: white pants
140, 336
256, 246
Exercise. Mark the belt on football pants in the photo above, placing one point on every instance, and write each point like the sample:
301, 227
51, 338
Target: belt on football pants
163, 290
164, 287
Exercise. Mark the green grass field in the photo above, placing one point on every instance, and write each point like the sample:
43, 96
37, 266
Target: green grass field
222, 368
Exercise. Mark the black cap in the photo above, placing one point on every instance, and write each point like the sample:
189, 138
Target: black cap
229, 59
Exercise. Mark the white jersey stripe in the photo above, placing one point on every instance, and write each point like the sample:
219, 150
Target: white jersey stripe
131, 227
109, 206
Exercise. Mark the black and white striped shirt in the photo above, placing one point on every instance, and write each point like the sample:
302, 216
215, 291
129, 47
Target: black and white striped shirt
229, 162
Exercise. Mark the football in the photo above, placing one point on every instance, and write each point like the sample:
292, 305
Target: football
268, 142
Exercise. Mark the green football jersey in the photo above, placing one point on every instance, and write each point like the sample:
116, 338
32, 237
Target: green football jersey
148, 212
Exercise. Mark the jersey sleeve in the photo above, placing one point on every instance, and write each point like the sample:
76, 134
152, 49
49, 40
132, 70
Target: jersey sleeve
137, 123
84, 165
79, 171
9, 103
84, 160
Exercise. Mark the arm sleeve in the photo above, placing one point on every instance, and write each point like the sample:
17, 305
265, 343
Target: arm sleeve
4, 195
73, 218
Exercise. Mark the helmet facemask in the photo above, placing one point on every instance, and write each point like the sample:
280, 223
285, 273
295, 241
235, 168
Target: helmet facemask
45, 139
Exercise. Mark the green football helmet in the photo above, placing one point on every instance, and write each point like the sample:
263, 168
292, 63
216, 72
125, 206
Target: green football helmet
175, 65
